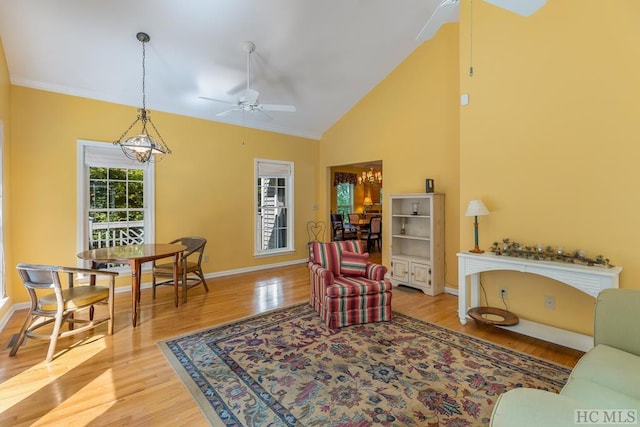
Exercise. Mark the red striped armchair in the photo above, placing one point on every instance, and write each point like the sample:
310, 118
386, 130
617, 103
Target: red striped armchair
346, 289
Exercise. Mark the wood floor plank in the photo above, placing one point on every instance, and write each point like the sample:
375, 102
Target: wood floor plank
125, 380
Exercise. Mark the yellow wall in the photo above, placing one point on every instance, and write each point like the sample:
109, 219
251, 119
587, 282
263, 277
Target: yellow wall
206, 187
550, 141
409, 121
5, 117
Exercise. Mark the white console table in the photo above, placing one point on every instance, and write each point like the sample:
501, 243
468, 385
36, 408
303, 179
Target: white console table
588, 279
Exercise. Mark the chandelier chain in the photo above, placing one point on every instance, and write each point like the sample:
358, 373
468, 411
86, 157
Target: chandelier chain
141, 146
144, 103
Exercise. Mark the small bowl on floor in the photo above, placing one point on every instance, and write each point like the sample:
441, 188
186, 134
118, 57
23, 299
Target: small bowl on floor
493, 316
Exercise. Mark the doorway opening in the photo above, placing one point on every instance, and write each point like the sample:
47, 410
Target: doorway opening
357, 194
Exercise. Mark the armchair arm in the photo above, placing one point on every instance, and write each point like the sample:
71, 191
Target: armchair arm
375, 271
62, 269
616, 319
73, 272
321, 275
88, 271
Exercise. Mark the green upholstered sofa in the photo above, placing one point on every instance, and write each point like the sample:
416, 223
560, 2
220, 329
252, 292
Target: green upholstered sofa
606, 378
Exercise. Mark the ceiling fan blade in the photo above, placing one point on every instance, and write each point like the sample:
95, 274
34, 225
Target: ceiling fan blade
216, 100
226, 113
443, 13
521, 7
278, 107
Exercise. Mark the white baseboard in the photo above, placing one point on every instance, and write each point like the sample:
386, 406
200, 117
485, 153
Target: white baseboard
544, 332
526, 327
254, 268
147, 285
552, 334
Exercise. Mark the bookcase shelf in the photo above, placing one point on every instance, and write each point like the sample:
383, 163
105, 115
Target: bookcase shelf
417, 241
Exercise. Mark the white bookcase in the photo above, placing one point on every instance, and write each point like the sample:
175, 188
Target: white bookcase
417, 241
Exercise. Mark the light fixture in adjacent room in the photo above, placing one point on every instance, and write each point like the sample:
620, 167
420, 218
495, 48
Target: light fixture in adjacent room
475, 209
142, 147
370, 176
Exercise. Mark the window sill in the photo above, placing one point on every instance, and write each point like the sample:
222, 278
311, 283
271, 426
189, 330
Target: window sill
274, 253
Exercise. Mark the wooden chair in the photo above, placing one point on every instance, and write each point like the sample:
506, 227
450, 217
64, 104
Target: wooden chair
189, 268
374, 234
62, 305
354, 220
339, 232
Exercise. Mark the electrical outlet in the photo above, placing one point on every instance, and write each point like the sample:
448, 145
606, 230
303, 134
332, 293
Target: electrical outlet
503, 293
206, 258
550, 302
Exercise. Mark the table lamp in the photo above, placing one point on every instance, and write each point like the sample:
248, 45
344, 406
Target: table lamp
368, 203
475, 209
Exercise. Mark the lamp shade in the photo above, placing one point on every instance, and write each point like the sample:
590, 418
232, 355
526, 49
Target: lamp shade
368, 201
476, 208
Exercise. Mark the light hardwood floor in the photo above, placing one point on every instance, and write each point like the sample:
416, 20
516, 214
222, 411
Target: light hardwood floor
124, 379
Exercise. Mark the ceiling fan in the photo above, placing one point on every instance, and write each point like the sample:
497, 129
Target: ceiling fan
445, 11
249, 100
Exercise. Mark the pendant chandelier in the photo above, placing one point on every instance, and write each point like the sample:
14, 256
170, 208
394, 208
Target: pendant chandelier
370, 176
142, 147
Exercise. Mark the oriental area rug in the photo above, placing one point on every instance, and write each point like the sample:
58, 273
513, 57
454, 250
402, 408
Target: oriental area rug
285, 368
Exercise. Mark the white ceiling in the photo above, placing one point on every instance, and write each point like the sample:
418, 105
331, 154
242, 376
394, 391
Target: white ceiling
322, 56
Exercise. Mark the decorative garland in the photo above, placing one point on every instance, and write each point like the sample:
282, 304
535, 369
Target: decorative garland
546, 253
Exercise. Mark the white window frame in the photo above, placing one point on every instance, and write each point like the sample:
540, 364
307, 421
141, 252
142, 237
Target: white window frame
93, 153
274, 169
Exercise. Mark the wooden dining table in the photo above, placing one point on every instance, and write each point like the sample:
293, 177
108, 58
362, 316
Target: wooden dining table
135, 256
362, 225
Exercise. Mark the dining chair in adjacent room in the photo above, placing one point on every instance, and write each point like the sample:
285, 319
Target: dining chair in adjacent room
339, 231
374, 234
189, 268
52, 305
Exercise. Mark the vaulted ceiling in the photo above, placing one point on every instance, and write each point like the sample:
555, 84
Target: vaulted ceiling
321, 56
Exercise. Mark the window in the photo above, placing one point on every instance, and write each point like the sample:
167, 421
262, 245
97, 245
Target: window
115, 198
344, 195
274, 207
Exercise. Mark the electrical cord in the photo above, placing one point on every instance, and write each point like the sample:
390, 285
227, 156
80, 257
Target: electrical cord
486, 299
